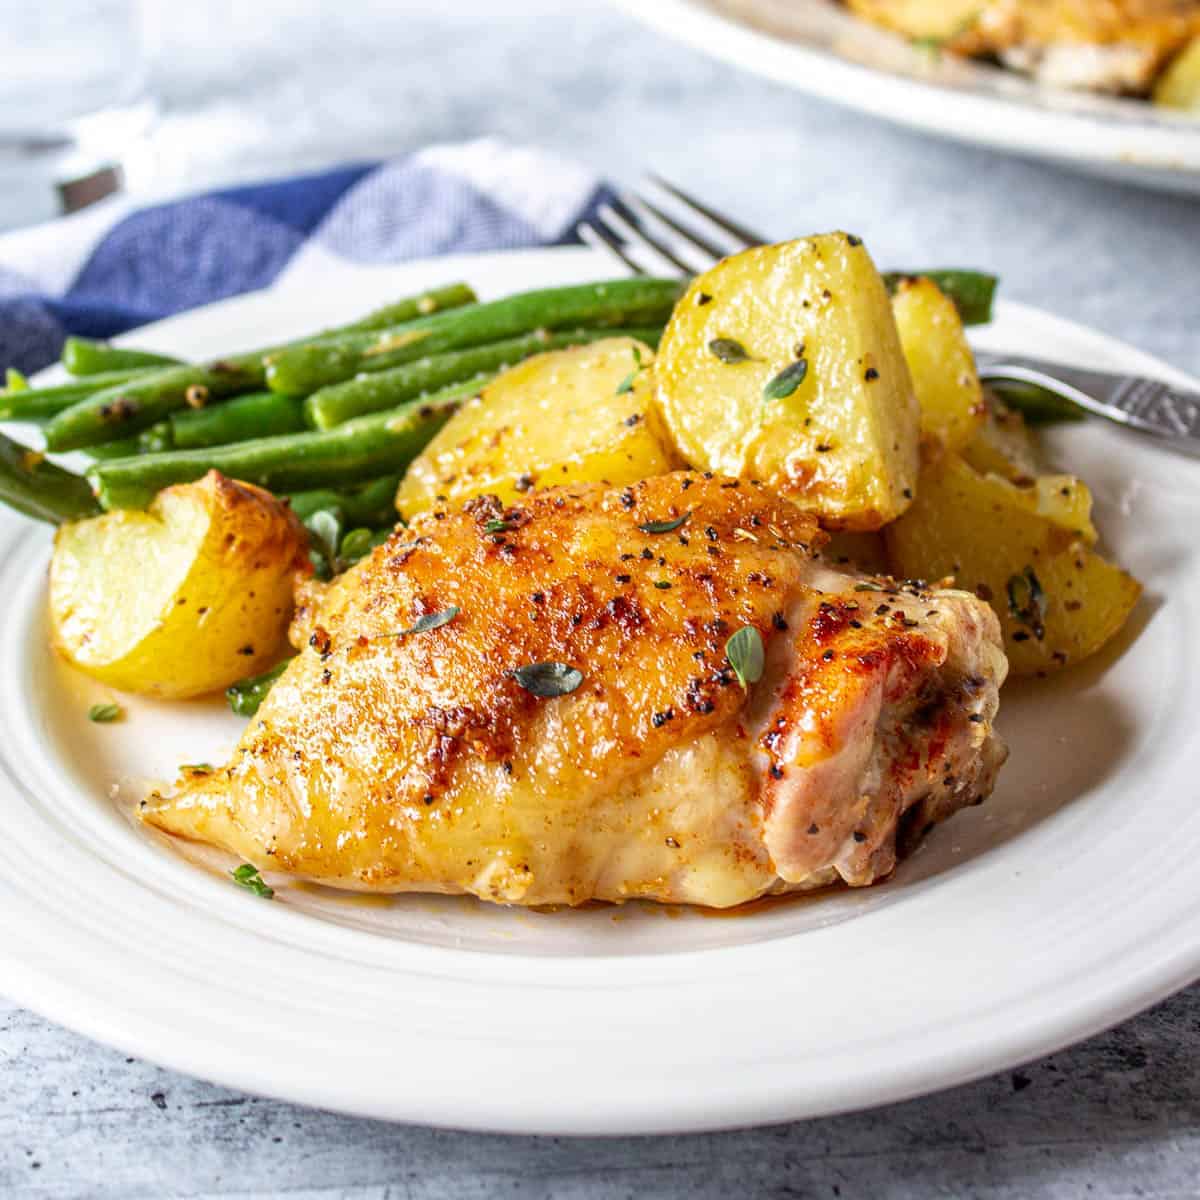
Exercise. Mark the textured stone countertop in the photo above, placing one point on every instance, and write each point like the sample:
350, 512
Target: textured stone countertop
289, 84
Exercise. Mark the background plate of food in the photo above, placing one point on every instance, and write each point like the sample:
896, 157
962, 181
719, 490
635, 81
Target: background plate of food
1110, 88
1060, 905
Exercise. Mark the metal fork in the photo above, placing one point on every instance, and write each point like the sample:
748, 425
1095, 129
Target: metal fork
641, 235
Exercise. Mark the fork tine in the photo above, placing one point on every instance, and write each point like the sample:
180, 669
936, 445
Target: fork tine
600, 239
710, 252
746, 236
626, 224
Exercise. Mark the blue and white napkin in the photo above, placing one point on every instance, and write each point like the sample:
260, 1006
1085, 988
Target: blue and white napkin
109, 269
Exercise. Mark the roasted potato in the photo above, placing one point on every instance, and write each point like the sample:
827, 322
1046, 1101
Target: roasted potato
183, 599
783, 364
1057, 599
1003, 444
941, 364
584, 414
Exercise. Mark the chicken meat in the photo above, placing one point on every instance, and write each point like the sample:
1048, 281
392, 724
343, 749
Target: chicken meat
536, 704
1097, 45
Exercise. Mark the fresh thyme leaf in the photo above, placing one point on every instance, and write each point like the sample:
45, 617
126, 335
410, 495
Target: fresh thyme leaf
626, 384
548, 679
198, 768
247, 876
434, 620
664, 526
745, 653
1027, 601
787, 381
103, 713
729, 351
867, 587
497, 527
662, 584
325, 531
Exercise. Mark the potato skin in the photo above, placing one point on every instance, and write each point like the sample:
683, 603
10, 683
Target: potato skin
841, 443
994, 537
580, 415
183, 599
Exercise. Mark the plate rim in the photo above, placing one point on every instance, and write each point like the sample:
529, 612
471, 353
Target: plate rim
1154, 148
41, 988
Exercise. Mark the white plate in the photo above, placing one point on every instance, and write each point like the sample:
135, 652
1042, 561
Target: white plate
1064, 904
815, 45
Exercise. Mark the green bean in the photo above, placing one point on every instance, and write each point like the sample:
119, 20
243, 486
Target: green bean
1036, 404
38, 488
971, 291
85, 356
26, 403
303, 369
247, 694
115, 412
371, 504
385, 389
259, 414
360, 449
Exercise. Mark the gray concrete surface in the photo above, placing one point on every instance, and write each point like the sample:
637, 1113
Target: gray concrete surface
268, 88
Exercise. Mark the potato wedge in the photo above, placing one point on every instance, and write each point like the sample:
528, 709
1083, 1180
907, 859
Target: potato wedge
837, 435
183, 599
1057, 599
1003, 444
941, 364
584, 414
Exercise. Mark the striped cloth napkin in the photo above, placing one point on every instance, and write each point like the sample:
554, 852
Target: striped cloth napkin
114, 267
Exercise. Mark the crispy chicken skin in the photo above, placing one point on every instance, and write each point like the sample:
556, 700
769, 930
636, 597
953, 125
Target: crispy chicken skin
396, 762
1101, 45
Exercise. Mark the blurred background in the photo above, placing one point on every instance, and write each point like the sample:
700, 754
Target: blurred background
230, 92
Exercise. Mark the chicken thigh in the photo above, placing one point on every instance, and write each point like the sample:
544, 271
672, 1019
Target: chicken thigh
420, 742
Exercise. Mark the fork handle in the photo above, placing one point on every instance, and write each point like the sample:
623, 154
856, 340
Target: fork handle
1136, 402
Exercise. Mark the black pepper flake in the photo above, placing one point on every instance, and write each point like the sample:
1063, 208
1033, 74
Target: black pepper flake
856, 625
326, 676
631, 421
507, 767
647, 553
1020, 636
627, 500
859, 836
623, 578
907, 493
976, 718
687, 483
882, 610
661, 718
852, 240
672, 843
827, 656
703, 299
870, 374
813, 828
427, 799
778, 620
538, 597
776, 771
823, 447
710, 533
523, 483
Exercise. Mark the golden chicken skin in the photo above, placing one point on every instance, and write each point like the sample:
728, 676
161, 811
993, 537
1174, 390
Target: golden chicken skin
1098, 45
657, 691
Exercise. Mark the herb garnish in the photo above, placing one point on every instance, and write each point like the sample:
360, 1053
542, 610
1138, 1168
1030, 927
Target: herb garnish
433, 620
1027, 601
662, 584
745, 653
548, 679
664, 526
626, 384
787, 381
198, 768
103, 713
247, 876
497, 526
729, 351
